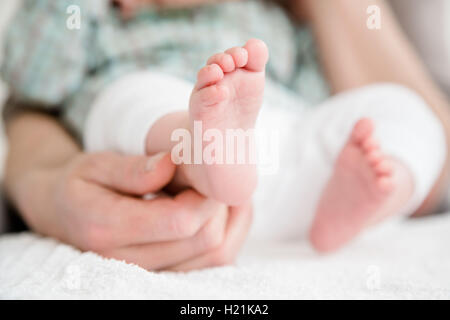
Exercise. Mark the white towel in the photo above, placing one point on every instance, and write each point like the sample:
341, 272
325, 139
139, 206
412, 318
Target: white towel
402, 261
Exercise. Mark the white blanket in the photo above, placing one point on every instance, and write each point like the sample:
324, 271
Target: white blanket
408, 261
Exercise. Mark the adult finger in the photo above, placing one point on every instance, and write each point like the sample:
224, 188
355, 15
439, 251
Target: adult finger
156, 256
122, 220
239, 222
135, 175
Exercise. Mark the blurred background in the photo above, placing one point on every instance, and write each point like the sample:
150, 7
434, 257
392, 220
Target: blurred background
426, 22
7, 9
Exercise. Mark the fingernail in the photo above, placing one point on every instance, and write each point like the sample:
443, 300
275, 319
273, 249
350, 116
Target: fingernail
154, 160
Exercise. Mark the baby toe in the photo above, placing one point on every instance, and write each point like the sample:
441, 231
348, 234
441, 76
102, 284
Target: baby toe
258, 55
240, 56
362, 130
223, 60
209, 75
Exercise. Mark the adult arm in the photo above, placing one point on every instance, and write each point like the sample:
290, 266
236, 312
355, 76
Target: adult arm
353, 55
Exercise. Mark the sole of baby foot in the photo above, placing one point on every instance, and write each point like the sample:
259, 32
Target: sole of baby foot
365, 188
228, 96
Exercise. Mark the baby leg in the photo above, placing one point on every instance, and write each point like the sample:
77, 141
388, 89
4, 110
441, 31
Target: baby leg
386, 167
366, 186
227, 96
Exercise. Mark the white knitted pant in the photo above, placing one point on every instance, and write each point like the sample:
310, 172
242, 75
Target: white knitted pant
309, 140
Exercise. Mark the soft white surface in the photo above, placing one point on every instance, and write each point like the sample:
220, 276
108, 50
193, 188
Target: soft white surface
410, 261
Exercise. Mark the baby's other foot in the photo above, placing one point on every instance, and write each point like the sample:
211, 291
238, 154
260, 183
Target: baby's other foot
228, 95
366, 187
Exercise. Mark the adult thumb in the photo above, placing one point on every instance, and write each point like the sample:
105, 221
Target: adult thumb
136, 175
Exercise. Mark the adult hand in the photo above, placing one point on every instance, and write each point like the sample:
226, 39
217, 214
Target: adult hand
94, 202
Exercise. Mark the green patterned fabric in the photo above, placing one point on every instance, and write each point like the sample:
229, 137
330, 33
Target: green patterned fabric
48, 64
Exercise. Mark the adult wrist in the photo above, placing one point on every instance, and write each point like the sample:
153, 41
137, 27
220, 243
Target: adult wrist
33, 193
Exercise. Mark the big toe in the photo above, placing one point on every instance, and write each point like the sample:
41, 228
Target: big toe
258, 55
363, 130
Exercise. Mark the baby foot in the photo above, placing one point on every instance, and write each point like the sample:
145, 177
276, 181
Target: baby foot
366, 186
228, 95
